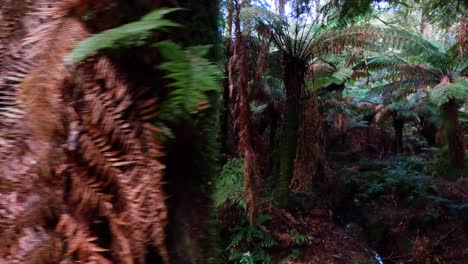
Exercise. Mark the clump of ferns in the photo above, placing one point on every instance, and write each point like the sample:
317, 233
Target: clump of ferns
250, 244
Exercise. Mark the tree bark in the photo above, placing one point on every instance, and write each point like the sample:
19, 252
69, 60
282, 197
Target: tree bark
192, 233
453, 133
294, 73
308, 164
247, 132
398, 126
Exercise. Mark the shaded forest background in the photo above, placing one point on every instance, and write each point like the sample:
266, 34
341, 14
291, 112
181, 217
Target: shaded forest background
235, 131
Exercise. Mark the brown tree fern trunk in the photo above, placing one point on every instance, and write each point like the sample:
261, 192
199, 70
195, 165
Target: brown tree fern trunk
308, 162
398, 126
294, 73
453, 133
244, 122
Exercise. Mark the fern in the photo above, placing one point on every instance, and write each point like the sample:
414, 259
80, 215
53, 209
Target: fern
131, 34
249, 243
192, 77
450, 91
229, 184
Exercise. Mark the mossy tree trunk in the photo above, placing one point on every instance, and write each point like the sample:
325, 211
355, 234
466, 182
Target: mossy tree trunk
453, 134
294, 74
193, 156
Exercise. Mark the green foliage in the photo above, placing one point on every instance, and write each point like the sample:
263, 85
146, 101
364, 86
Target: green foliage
301, 239
402, 178
451, 91
229, 184
295, 254
249, 244
437, 164
402, 109
131, 34
192, 77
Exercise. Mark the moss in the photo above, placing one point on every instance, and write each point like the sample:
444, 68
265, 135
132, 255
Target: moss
287, 152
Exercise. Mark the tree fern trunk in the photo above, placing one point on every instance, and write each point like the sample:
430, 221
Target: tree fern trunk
287, 153
453, 133
308, 163
294, 72
398, 126
192, 230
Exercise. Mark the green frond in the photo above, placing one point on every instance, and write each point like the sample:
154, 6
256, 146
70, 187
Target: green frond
380, 61
129, 34
401, 88
411, 43
451, 91
229, 184
192, 77
337, 40
403, 109
461, 69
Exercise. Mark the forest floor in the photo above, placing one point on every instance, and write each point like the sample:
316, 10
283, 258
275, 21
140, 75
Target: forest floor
373, 212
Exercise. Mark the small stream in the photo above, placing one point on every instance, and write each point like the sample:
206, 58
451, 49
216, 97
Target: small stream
377, 257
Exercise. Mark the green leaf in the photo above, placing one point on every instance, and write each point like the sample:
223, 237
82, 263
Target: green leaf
191, 75
130, 34
442, 94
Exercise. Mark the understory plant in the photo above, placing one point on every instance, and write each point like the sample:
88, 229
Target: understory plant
249, 244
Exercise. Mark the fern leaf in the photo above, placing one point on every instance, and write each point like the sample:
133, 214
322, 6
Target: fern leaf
129, 34
451, 91
191, 75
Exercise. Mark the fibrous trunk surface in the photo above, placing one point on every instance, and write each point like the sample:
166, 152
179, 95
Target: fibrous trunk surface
79, 171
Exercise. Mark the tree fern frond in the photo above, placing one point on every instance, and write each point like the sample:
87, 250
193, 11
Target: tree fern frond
450, 91
337, 40
401, 88
412, 43
192, 77
79, 241
129, 34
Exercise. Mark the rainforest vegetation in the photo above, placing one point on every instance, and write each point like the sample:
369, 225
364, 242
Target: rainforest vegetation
233, 131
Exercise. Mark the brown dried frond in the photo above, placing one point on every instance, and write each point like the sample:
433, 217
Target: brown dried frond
79, 241
121, 148
98, 126
11, 27
335, 41
87, 196
247, 136
157, 215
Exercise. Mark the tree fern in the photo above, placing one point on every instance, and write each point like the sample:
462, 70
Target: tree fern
134, 33
191, 77
444, 93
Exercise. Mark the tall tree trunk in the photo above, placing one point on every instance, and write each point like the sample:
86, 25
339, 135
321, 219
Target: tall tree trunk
192, 233
227, 127
453, 133
398, 125
244, 121
294, 73
308, 164
229, 18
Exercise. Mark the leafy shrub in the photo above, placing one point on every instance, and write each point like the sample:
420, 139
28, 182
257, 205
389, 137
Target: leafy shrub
249, 243
228, 185
401, 178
